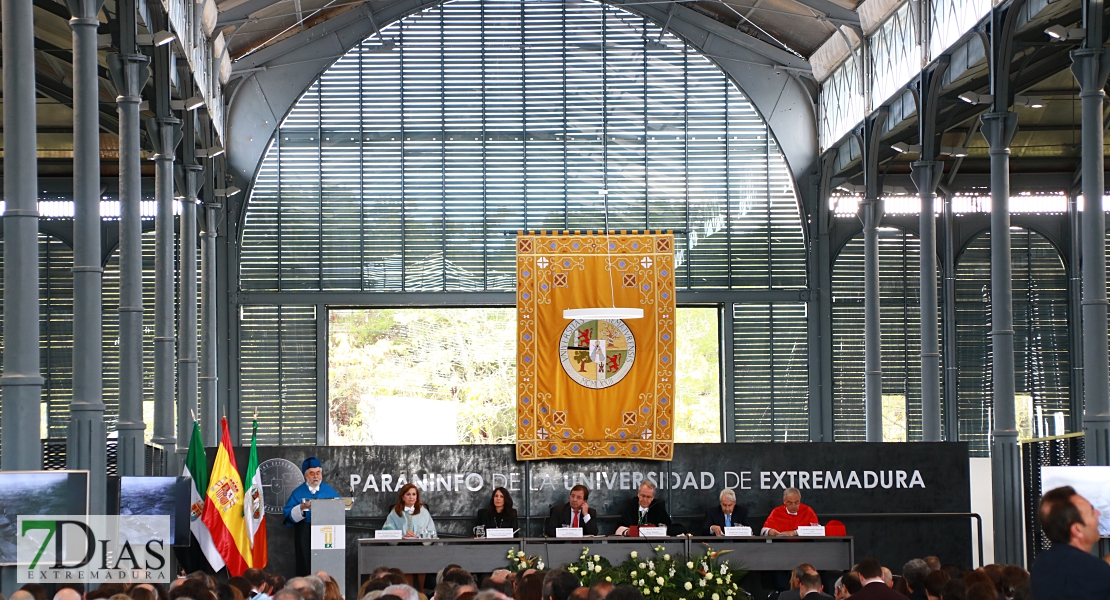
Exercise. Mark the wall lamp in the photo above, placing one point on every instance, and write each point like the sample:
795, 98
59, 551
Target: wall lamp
1061, 33
973, 98
160, 38
191, 103
904, 148
955, 151
212, 152
226, 192
1028, 101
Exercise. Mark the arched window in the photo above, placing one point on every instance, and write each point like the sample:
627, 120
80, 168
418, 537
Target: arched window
900, 315
414, 159
1041, 362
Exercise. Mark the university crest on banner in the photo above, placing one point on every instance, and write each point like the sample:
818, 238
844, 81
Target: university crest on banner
590, 388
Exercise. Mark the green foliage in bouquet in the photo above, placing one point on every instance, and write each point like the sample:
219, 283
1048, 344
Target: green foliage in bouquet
590, 567
518, 562
665, 577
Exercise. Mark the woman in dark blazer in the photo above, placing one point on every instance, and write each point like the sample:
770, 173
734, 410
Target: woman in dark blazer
500, 512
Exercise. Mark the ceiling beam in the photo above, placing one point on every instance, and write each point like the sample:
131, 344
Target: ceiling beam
832, 10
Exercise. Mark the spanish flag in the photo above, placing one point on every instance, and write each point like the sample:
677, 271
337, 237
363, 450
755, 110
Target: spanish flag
224, 508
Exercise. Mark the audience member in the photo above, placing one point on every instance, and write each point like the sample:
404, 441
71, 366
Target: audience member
530, 586
65, 593
934, 584
141, 593
77, 587
599, 590
1013, 576
331, 590
900, 586
491, 594
404, 592
467, 595
955, 589
260, 587
913, 574
810, 587
852, 582
580, 593
795, 577
373, 585
445, 590
500, 584
226, 591
288, 594
460, 576
558, 584
888, 577
874, 585
35, 590
982, 590
933, 562
625, 592
1067, 569
244, 586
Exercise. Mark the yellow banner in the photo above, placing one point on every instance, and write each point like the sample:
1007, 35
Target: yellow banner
595, 388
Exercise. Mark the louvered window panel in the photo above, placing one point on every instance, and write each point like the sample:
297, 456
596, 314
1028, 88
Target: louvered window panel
1040, 307
55, 330
842, 103
410, 169
277, 373
770, 361
900, 325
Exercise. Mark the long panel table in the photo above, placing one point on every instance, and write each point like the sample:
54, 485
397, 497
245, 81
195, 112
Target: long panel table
487, 555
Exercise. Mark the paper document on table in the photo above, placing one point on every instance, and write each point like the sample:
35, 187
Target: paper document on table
568, 532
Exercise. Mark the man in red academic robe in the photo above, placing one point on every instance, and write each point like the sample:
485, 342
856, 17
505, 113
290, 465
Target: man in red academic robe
786, 519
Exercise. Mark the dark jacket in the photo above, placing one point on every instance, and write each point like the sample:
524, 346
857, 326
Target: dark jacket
877, 590
1065, 572
656, 514
715, 516
560, 517
490, 519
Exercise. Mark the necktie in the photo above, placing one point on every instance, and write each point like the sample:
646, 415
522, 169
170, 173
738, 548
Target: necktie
642, 514
728, 520
574, 518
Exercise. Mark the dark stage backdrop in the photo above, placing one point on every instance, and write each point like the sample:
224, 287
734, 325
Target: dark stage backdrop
834, 478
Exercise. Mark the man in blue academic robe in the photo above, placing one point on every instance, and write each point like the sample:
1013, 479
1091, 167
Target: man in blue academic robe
298, 511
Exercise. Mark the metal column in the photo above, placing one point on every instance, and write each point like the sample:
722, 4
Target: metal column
187, 311
86, 442
208, 376
1091, 66
872, 213
166, 136
926, 175
21, 383
129, 73
948, 307
999, 129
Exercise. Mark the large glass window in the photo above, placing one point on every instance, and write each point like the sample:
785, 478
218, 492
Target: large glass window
448, 376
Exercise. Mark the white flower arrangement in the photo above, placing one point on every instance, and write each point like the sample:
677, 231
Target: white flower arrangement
688, 586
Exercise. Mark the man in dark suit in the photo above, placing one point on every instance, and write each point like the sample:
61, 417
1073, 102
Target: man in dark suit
575, 513
811, 588
874, 588
644, 510
1068, 570
725, 515
795, 591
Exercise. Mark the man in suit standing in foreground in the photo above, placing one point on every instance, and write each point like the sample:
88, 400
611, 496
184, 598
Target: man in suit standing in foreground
1068, 569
